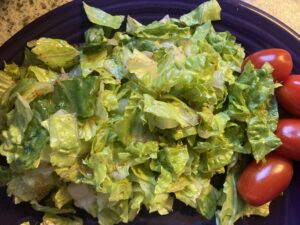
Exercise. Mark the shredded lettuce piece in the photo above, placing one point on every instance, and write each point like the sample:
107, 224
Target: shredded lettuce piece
99, 17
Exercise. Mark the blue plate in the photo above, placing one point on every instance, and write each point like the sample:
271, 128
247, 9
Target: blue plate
253, 28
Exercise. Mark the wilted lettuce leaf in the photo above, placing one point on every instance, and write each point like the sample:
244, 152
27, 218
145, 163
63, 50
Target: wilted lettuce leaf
50, 209
6, 82
61, 197
99, 17
33, 185
55, 53
84, 197
5, 175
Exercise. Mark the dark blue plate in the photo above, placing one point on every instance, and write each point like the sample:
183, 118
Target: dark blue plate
252, 27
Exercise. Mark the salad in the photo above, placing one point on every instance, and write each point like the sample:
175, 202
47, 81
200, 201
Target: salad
158, 113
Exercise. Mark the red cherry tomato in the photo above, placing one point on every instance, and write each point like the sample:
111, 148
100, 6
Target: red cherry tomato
280, 59
262, 182
289, 95
288, 130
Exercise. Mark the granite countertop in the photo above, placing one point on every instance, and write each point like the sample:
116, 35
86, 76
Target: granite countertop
14, 15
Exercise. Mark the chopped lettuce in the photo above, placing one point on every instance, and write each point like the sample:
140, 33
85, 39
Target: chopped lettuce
135, 119
251, 100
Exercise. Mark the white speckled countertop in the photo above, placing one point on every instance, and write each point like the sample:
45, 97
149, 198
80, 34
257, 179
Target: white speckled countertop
15, 14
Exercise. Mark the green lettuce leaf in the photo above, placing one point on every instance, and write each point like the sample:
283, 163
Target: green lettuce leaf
141, 65
130, 127
212, 125
176, 159
55, 53
217, 152
64, 139
77, 96
168, 115
90, 62
42, 75
208, 11
132, 25
99, 17
22, 116
162, 31
95, 36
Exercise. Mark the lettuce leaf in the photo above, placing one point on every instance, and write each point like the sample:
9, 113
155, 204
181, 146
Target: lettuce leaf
77, 96
55, 53
64, 139
51, 219
99, 17
168, 115
208, 11
42, 75
5, 175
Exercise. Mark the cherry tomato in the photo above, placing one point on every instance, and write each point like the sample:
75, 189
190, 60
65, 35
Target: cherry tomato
289, 95
288, 130
262, 182
280, 59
